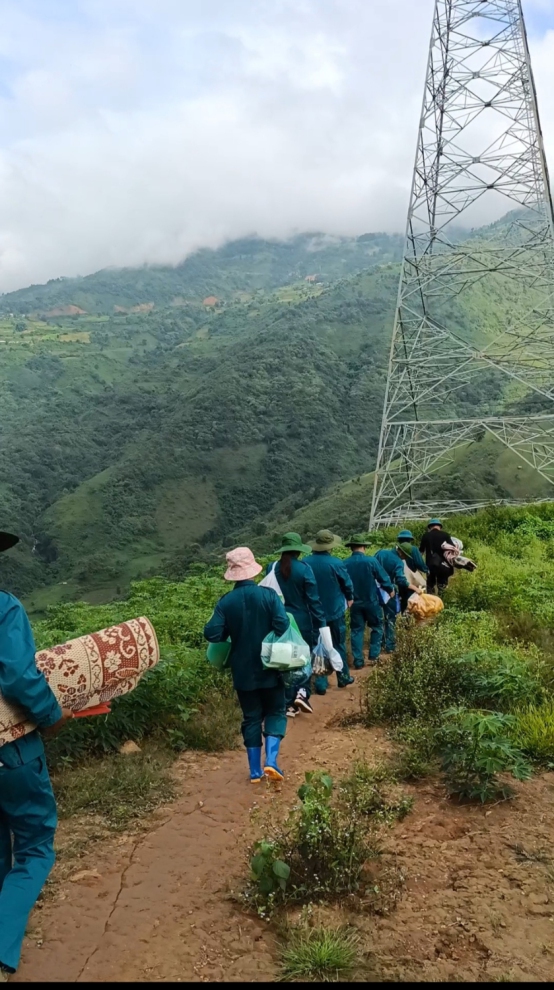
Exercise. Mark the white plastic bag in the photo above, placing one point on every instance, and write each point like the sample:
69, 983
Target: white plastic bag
329, 651
287, 652
270, 581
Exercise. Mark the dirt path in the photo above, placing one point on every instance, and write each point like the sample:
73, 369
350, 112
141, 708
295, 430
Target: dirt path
477, 903
159, 909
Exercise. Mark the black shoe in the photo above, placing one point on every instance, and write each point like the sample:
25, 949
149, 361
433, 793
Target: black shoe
303, 704
344, 684
291, 712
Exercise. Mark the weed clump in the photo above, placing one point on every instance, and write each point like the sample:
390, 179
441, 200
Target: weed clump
418, 756
319, 954
363, 793
120, 789
533, 732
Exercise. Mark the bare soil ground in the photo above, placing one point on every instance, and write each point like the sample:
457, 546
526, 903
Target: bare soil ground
476, 902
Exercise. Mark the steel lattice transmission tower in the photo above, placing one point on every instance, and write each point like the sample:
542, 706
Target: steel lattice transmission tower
458, 371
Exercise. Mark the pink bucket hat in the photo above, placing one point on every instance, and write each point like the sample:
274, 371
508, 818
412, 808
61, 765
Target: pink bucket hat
242, 565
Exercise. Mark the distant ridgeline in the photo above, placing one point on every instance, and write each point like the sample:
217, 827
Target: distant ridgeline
240, 266
151, 415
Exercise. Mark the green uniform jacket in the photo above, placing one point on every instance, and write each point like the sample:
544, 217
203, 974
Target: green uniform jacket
394, 566
302, 598
419, 562
333, 583
246, 616
21, 682
364, 572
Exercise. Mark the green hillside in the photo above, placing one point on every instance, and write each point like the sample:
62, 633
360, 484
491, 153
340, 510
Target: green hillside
248, 265
136, 443
480, 472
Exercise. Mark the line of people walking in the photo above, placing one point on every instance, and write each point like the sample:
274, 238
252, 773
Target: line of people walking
318, 592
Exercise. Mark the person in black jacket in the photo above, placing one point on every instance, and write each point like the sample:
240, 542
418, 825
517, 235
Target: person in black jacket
431, 545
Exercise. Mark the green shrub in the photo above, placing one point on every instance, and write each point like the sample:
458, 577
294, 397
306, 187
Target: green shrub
500, 679
319, 954
533, 732
324, 845
329, 846
474, 748
420, 680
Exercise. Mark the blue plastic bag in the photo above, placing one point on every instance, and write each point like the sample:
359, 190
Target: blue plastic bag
297, 678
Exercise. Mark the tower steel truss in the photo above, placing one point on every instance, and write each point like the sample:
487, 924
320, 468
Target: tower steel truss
458, 373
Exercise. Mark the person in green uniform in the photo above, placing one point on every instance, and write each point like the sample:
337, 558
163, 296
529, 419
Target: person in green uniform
246, 615
336, 593
301, 598
28, 817
406, 539
366, 574
392, 561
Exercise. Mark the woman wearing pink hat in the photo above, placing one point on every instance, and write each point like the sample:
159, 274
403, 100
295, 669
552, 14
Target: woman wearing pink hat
246, 616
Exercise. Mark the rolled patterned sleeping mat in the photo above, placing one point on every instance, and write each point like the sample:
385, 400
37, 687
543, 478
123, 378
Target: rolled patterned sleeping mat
88, 672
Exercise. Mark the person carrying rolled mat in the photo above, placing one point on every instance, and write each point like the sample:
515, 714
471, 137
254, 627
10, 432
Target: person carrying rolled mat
406, 539
301, 598
392, 561
336, 593
246, 615
431, 545
28, 816
367, 609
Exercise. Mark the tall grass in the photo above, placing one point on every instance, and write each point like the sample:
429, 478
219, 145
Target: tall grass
320, 954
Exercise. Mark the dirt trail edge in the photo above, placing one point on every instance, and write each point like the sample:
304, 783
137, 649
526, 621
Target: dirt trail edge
159, 909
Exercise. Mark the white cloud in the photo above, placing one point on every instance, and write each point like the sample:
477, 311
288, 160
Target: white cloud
137, 130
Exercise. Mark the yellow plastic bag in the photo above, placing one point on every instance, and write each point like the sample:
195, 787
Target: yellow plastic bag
425, 606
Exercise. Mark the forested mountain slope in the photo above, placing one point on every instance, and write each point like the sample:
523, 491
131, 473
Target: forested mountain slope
241, 266
132, 442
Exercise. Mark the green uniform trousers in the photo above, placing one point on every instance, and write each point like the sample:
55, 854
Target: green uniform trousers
390, 612
27, 825
262, 710
360, 616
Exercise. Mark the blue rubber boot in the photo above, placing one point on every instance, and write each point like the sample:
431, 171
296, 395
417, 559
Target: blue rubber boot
271, 769
254, 754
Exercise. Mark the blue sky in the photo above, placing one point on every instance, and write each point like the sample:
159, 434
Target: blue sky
138, 130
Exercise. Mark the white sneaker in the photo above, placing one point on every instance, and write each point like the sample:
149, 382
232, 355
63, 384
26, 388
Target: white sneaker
302, 703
